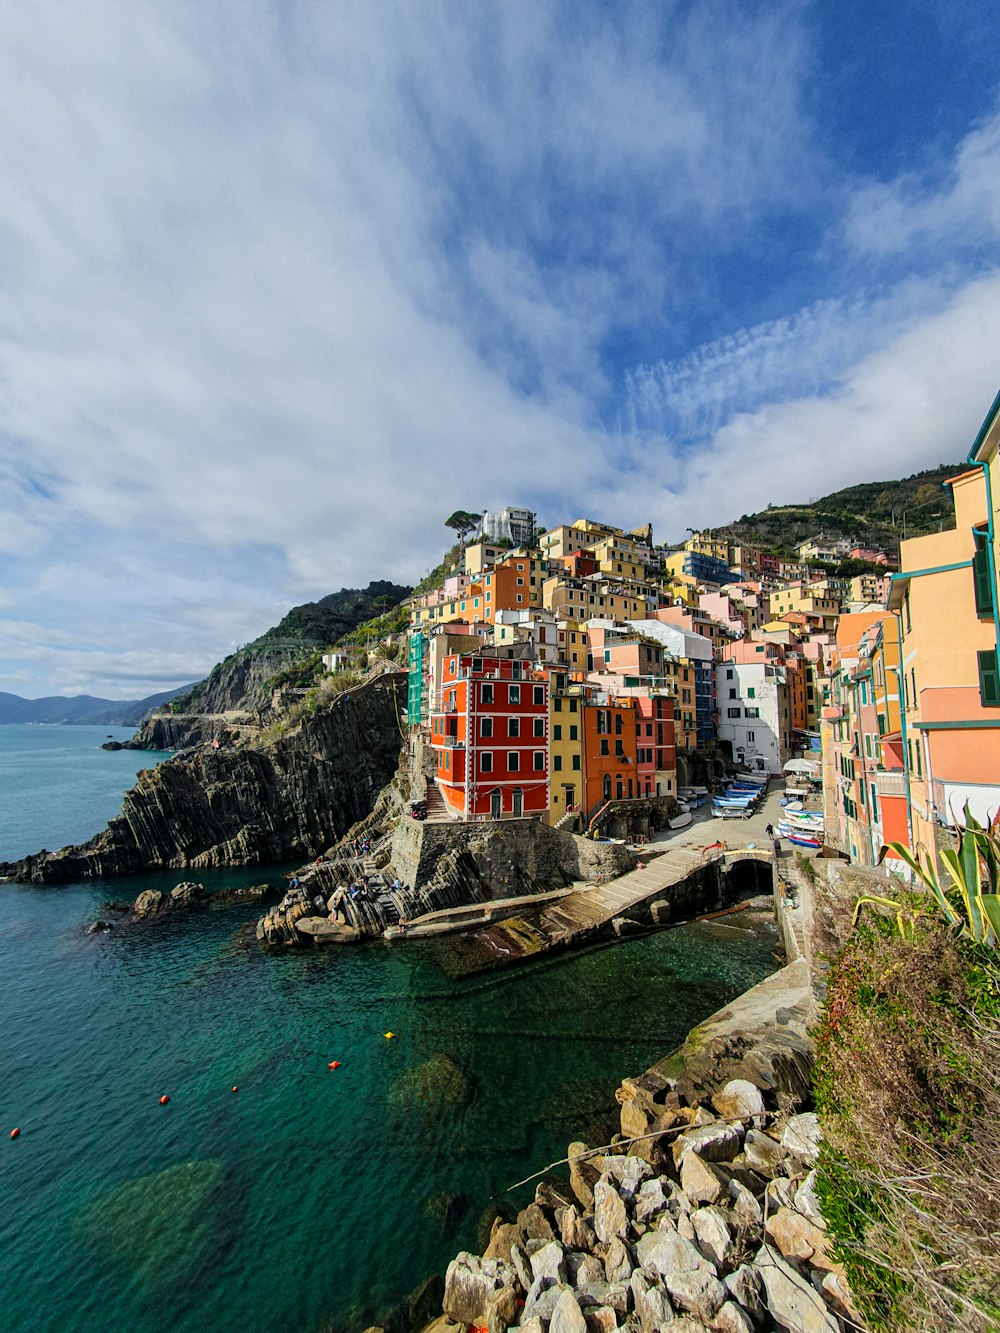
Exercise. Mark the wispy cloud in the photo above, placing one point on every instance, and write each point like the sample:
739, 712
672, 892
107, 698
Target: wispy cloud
284, 284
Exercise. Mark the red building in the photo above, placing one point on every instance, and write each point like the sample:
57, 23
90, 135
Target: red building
655, 746
490, 731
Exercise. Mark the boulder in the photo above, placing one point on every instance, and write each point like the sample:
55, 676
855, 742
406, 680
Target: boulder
521, 1266
534, 1223
732, 1319
583, 1269
584, 1172
613, 1294
807, 1203
780, 1193
549, 1263
716, 1142
747, 1212
762, 1153
698, 1181
793, 1304
712, 1235
618, 1265
468, 1288
567, 1317
794, 1235
698, 1290
653, 1308
501, 1311
541, 1301
801, 1137
663, 1252
610, 1217
600, 1319
744, 1287
148, 903
739, 1099
835, 1291
186, 895
650, 1200
503, 1237
550, 1195
628, 1173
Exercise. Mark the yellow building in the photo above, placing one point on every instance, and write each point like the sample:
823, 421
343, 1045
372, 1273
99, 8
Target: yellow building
574, 645
581, 535
704, 543
566, 774
585, 599
821, 606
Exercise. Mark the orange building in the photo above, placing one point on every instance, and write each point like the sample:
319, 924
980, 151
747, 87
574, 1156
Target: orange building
609, 741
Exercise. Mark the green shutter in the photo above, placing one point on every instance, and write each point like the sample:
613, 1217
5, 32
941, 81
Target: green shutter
983, 582
989, 679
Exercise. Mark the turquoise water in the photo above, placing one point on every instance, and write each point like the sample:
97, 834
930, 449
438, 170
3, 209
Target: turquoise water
306, 1200
57, 786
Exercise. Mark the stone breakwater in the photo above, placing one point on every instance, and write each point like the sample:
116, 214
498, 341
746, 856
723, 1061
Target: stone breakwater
712, 1222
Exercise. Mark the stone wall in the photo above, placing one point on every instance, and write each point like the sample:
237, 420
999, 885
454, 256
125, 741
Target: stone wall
511, 857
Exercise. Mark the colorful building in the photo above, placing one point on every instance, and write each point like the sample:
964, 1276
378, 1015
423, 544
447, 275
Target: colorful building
490, 736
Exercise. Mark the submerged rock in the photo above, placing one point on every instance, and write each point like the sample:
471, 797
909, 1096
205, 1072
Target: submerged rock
161, 1229
435, 1086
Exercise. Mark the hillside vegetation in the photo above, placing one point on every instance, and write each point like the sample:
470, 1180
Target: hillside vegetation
875, 512
244, 680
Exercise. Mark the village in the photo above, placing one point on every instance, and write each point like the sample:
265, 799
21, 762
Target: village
563, 673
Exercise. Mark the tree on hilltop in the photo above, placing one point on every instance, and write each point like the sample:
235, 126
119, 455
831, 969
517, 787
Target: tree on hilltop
462, 522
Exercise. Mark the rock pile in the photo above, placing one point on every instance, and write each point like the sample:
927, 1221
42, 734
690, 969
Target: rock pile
711, 1222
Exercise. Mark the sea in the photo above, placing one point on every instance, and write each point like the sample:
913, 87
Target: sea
272, 1192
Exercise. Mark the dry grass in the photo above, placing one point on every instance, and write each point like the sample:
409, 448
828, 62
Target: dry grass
908, 1090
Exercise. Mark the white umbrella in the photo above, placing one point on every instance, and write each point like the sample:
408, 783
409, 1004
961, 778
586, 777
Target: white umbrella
801, 766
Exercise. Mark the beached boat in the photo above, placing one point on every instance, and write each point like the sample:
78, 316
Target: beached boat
682, 820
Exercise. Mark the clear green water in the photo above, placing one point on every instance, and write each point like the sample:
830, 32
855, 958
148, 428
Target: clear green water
302, 1201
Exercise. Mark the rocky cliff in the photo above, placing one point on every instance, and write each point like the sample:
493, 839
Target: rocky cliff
282, 800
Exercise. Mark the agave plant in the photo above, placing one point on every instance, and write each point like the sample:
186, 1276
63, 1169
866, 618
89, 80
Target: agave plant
974, 874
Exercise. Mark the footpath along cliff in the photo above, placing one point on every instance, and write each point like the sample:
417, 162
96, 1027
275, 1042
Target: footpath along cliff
286, 796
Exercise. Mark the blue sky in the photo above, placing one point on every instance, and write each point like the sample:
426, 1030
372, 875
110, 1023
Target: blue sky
282, 285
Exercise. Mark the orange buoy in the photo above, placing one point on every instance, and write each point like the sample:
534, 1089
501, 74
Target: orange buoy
15, 1133
235, 1088
164, 1100
334, 1064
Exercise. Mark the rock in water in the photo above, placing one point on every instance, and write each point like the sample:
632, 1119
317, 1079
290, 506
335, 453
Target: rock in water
432, 1088
162, 1229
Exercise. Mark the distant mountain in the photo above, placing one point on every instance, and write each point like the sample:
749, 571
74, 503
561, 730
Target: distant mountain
84, 709
877, 513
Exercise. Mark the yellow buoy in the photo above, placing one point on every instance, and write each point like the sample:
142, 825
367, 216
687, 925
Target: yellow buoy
389, 1036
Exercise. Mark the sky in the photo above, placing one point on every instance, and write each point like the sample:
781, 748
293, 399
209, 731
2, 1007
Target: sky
284, 284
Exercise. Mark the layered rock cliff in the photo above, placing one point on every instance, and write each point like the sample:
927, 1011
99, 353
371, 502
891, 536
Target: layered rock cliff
283, 800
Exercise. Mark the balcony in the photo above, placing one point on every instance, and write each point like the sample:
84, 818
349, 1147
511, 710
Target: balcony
449, 743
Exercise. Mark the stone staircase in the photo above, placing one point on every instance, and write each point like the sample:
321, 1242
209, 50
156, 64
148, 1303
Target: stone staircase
437, 811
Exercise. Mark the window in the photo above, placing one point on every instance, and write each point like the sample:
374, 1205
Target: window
557, 732
539, 761
513, 726
618, 724
729, 673
557, 763
749, 737
619, 748
572, 705
574, 732
576, 763
477, 662
982, 577
734, 693
539, 726
605, 747
734, 712
515, 671
753, 712
487, 695
557, 706
989, 679
486, 763
514, 694
513, 761
486, 726
751, 692
520, 583
538, 694
607, 654
519, 597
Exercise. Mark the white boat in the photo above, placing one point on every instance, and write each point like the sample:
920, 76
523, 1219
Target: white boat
682, 820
